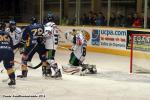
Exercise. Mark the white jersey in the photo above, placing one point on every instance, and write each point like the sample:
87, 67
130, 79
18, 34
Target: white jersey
51, 35
79, 46
16, 35
80, 43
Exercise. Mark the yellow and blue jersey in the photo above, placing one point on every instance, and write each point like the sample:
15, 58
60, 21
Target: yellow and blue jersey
32, 33
6, 42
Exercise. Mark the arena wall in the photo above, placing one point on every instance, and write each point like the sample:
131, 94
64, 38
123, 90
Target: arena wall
110, 40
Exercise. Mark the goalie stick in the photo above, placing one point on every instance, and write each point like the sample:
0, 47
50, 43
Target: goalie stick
64, 48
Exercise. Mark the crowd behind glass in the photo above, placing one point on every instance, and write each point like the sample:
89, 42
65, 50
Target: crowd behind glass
116, 19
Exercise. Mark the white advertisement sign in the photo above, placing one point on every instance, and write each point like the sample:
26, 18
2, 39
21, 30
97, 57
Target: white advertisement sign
108, 38
111, 38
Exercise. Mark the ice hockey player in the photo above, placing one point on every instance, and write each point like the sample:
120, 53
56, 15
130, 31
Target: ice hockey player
51, 42
6, 53
78, 54
33, 42
15, 33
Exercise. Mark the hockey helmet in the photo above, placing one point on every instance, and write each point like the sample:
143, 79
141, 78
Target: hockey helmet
34, 20
50, 16
12, 22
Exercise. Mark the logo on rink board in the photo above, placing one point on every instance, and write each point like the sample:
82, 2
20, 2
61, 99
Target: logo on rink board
129, 32
95, 40
113, 38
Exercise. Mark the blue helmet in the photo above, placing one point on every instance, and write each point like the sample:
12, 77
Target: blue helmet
34, 20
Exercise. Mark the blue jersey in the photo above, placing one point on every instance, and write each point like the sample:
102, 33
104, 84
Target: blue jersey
6, 42
32, 33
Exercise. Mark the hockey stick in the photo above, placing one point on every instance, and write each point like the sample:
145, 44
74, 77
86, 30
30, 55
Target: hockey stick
32, 49
37, 66
64, 48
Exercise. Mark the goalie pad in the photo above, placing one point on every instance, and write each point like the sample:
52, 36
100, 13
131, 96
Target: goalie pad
82, 70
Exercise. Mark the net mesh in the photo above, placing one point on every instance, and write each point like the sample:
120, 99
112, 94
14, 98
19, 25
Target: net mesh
140, 53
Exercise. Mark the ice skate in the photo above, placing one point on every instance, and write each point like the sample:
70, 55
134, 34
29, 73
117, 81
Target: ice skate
57, 74
55, 71
23, 76
12, 83
90, 69
44, 74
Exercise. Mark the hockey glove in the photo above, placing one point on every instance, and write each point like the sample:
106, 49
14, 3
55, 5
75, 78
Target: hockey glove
40, 40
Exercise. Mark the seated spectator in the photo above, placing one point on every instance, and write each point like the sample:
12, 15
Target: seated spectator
100, 20
119, 20
112, 20
65, 20
137, 21
91, 18
128, 20
84, 19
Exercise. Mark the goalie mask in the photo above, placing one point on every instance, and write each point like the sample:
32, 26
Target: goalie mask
79, 38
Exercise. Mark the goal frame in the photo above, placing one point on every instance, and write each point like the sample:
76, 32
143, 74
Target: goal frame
131, 49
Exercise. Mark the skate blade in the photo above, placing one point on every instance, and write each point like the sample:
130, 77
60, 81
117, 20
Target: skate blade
23, 79
58, 78
52, 78
12, 86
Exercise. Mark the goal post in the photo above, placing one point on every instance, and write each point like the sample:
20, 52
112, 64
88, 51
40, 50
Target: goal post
140, 53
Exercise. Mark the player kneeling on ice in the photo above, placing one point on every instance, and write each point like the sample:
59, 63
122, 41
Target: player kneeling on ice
78, 54
51, 35
6, 53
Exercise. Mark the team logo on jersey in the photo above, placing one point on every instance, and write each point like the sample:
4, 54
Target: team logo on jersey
4, 38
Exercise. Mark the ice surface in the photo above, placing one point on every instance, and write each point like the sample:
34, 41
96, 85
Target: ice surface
113, 82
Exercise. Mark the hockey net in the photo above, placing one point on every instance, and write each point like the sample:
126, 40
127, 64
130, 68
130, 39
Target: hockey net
140, 53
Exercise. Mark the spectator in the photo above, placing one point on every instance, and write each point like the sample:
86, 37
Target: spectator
84, 19
119, 20
137, 21
100, 20
128, 20
65, 21
112, 20
91, 18
94, 18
